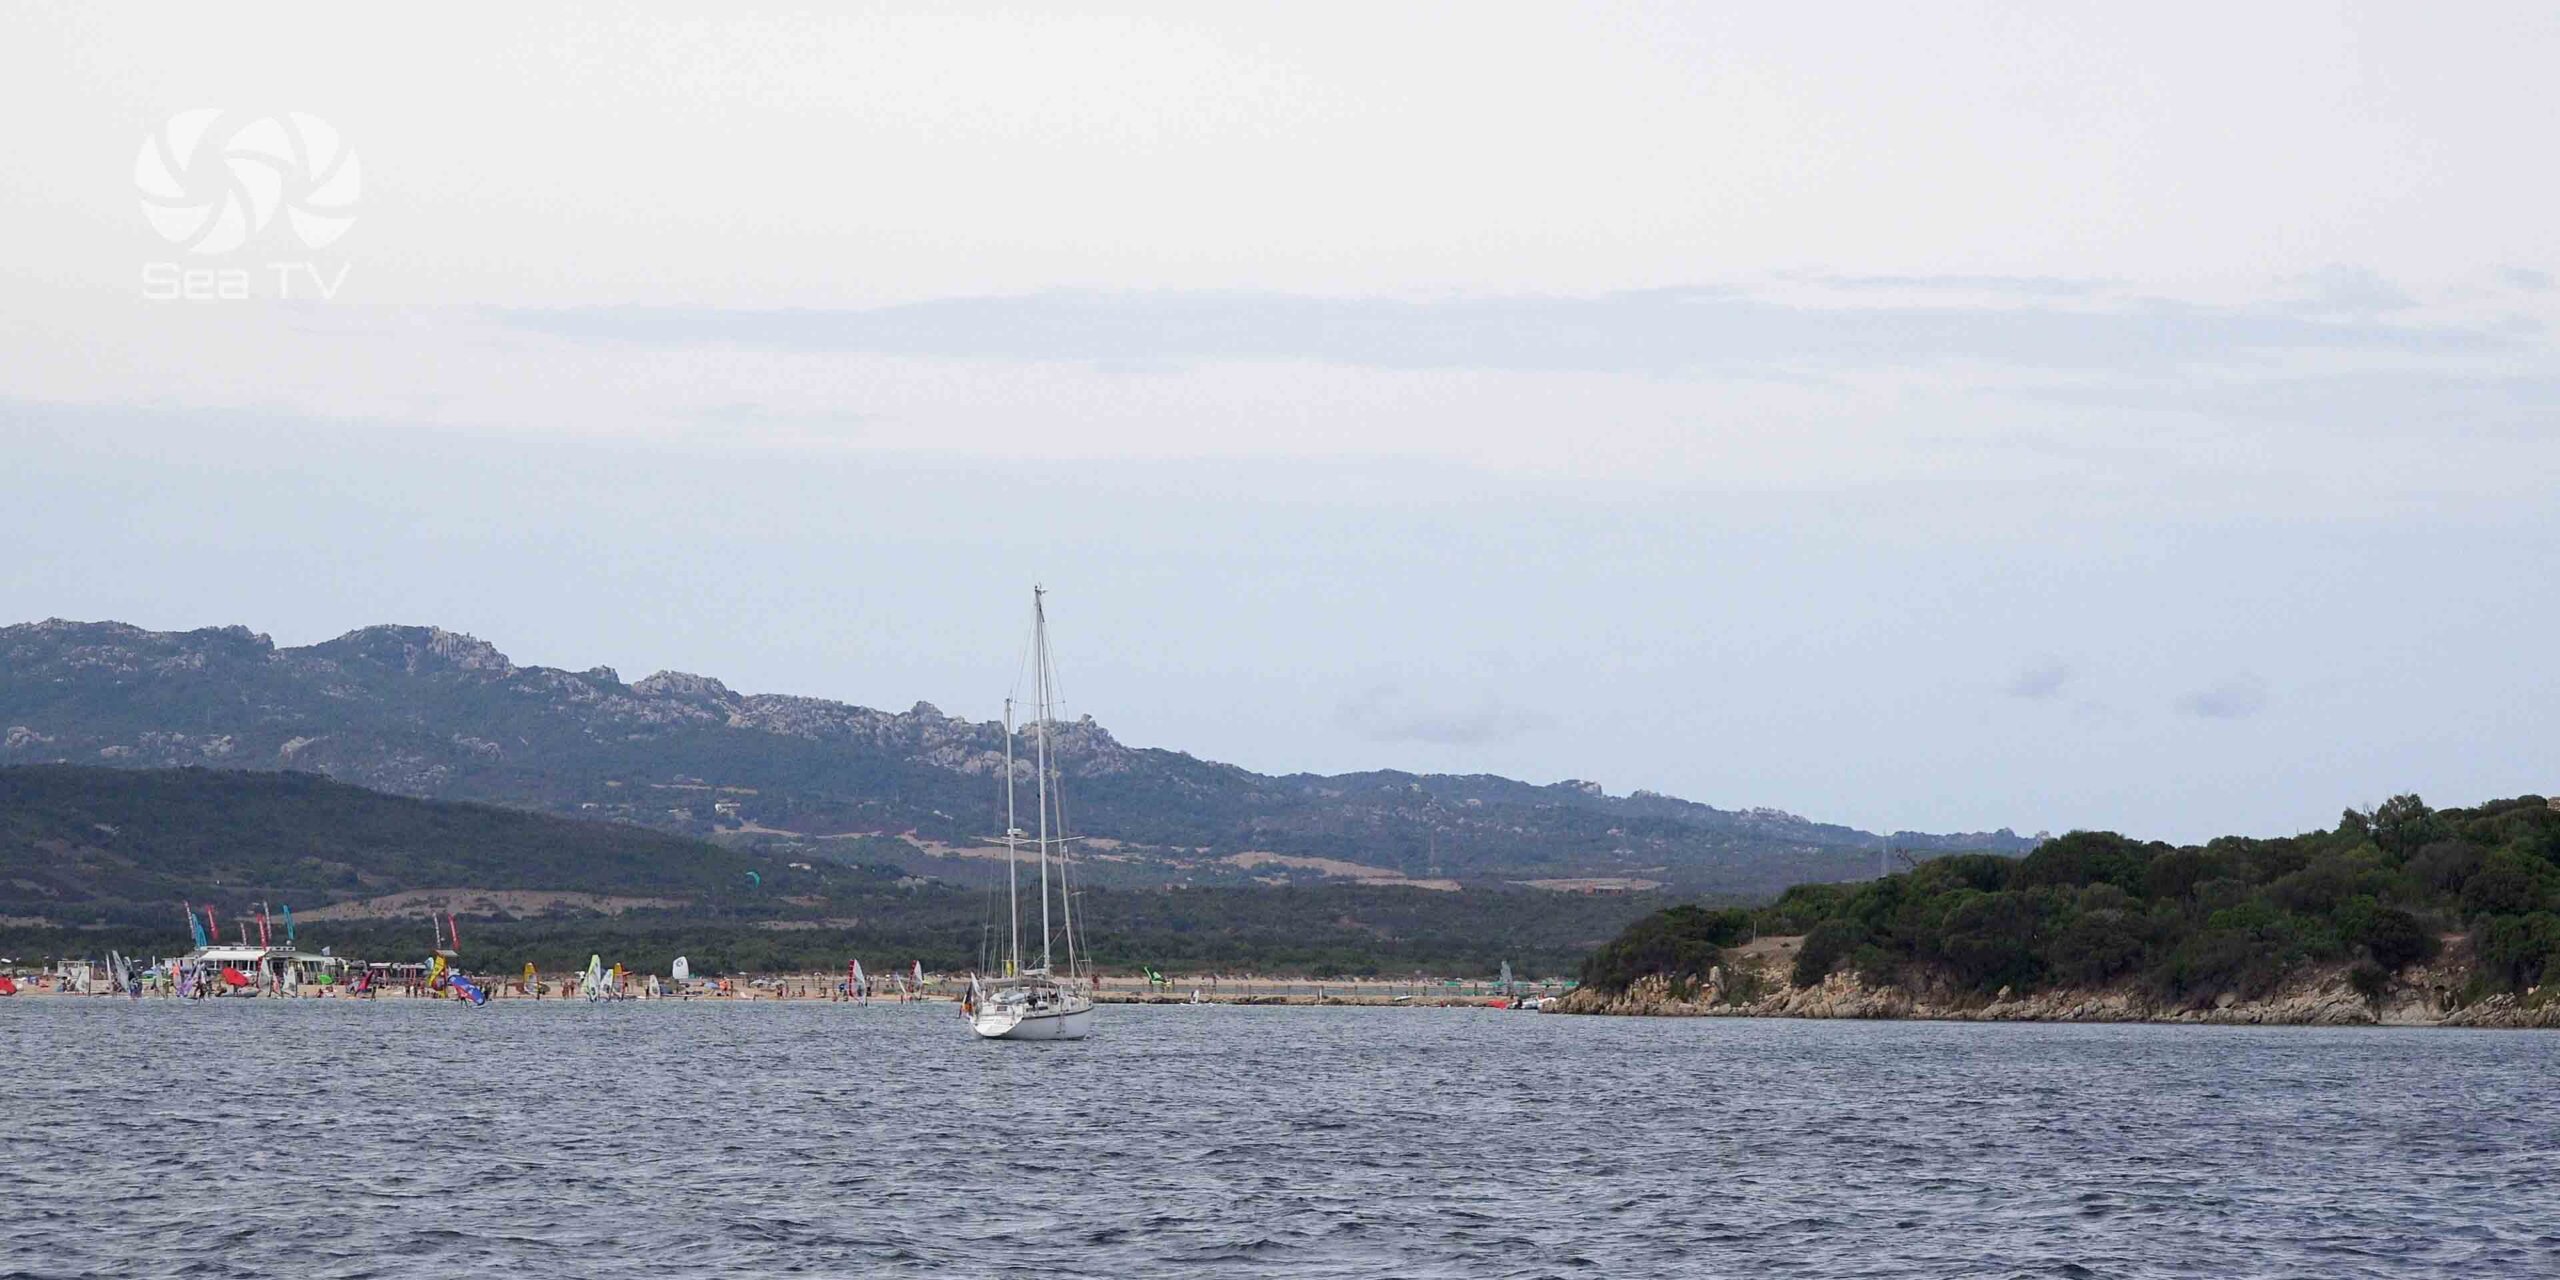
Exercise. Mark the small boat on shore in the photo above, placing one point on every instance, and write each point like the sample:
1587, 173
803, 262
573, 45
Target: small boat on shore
1035, 1003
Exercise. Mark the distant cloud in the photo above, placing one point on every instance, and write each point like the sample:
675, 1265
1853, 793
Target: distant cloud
752, 413
2031, 286
1681, 330
2236, 698
2355, 291
2039, 682
2527, 278
1384, 713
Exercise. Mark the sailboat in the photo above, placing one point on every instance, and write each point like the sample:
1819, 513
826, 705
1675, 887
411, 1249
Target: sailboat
1035, 1003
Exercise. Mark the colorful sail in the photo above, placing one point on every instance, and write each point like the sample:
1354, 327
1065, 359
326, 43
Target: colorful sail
288, 926
195, 926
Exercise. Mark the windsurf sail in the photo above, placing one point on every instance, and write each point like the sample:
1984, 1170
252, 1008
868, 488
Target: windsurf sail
681, 972
470, 990
593, 986
918, 972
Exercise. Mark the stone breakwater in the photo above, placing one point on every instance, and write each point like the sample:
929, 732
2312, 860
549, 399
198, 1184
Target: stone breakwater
2323, 998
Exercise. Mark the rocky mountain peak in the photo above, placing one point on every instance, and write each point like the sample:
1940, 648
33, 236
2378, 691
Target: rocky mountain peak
685, 685
418, 650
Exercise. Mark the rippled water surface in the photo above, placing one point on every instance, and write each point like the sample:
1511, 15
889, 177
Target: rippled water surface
319, 1139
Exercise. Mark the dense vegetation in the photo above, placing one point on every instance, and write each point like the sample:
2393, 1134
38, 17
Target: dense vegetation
1683, 941
2379, 892
98, 858
1335, 931
85, 845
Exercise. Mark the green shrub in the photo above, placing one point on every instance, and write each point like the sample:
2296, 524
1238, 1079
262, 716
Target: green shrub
1824, 948
1680, 943
2516, 950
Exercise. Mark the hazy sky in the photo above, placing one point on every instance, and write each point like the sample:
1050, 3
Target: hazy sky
1931, 417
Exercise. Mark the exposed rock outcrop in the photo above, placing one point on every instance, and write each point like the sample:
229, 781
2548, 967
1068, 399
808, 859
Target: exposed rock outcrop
2424, 997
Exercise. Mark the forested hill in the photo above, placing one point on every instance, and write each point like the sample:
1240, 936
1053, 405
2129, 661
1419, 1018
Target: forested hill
425, 712
2386, 889
86, 845
93, 858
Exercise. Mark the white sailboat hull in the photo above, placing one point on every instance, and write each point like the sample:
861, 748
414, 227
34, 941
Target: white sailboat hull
1074, 1022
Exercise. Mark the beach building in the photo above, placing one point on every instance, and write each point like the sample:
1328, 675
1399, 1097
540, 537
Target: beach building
270, 968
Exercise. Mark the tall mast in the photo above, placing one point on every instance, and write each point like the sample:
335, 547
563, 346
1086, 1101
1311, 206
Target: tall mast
1040, 744
1012, 837
1058, 800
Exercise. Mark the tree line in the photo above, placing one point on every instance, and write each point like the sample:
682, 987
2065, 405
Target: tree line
2379, 892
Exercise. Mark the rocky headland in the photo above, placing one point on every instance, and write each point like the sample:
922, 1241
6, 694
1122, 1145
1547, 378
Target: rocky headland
2429, 996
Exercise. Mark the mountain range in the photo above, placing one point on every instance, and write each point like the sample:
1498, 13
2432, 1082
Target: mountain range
425, 712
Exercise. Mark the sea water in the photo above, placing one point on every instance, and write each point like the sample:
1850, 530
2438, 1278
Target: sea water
524, 1140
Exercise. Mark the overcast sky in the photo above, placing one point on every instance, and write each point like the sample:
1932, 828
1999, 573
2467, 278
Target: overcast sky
1925, 417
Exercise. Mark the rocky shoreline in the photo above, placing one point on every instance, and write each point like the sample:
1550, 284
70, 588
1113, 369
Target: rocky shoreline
2319, 998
